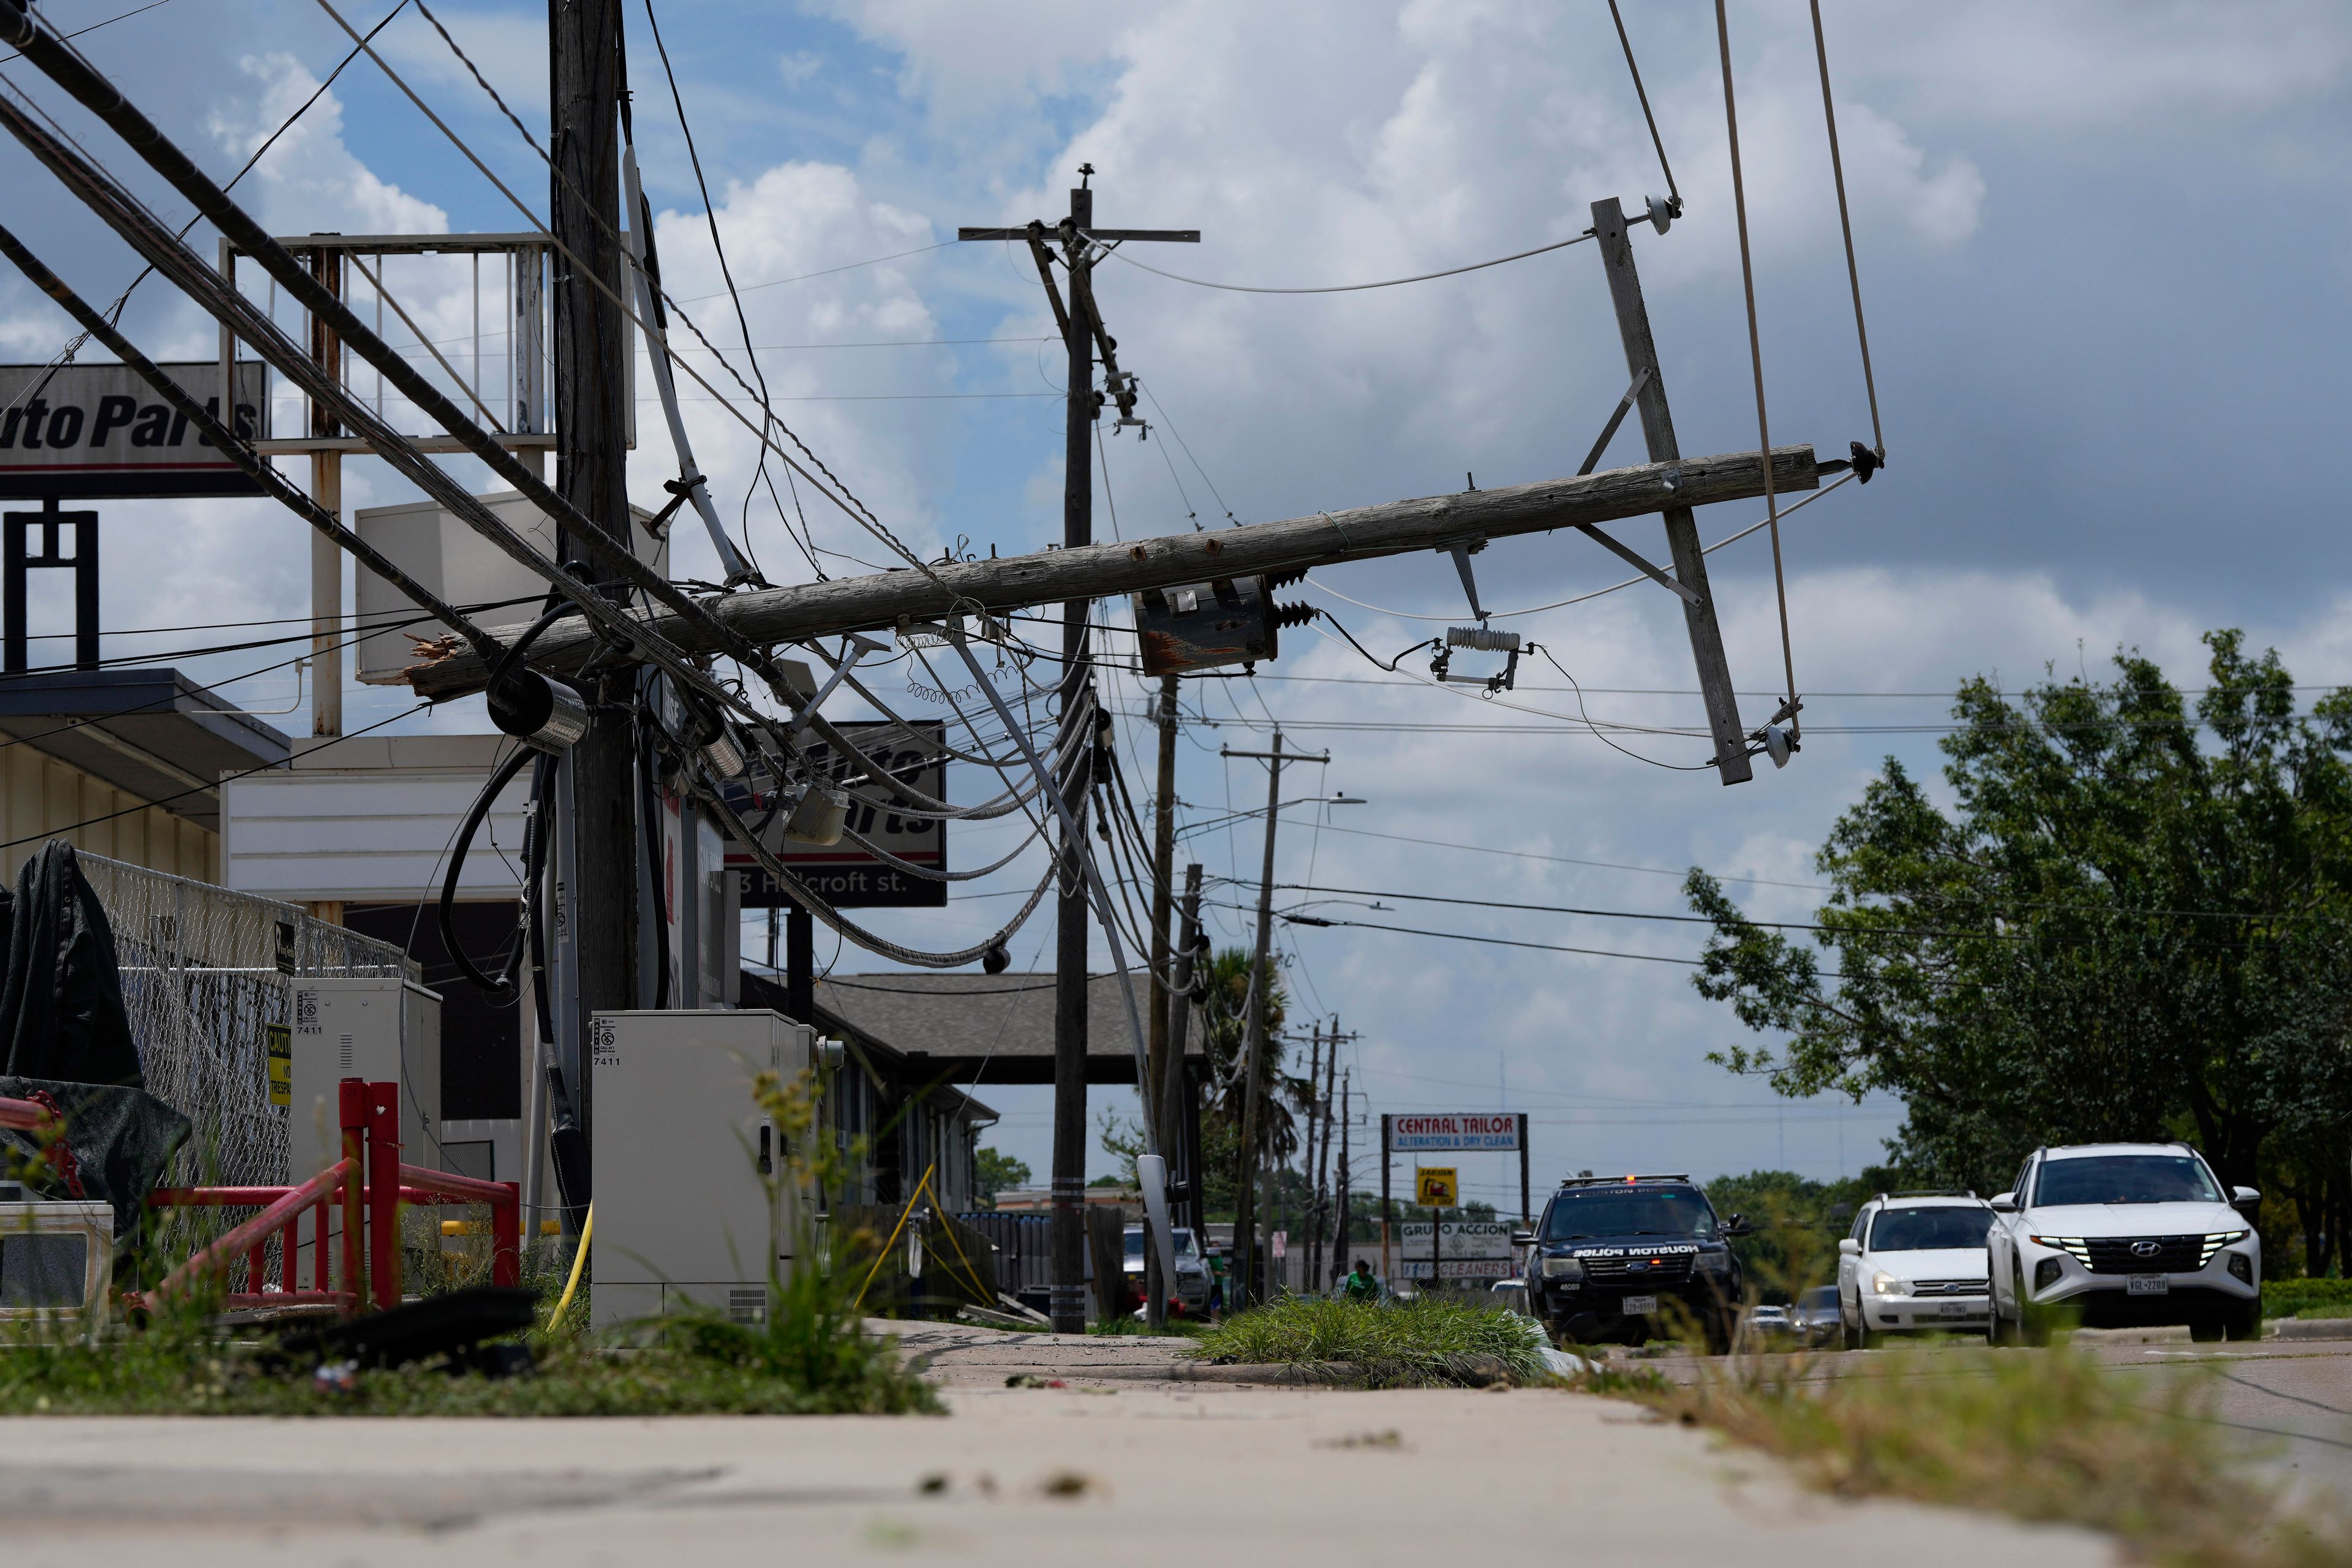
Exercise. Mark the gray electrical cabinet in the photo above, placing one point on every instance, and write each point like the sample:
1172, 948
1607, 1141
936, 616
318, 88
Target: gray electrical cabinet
382, 1030
692, 1200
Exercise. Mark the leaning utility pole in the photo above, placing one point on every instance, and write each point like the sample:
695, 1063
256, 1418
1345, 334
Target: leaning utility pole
1253, 1052
1649, 395
590, 352
1082, 334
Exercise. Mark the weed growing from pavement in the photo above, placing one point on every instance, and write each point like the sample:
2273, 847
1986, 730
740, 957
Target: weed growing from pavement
812, 1356
1422, 1343
2048, 1435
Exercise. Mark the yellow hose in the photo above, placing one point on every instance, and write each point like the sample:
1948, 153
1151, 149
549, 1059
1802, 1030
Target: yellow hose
579, 1259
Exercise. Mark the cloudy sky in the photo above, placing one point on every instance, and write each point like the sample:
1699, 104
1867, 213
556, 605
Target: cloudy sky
2104, 250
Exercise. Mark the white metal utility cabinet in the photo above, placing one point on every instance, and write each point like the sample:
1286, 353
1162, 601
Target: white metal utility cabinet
682, 1208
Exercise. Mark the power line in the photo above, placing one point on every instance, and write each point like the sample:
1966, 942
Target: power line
94, 27
1353, 288
199, 789
1495, 940
1674, 194
825, 272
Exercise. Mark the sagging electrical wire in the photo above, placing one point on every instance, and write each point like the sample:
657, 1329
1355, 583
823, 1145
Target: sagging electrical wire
857, 513
1349, 288
1845, 226
138, 225
1672, 767
1755, 355
799, 893
114, 311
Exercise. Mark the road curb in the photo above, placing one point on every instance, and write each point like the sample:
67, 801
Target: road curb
2308, 1328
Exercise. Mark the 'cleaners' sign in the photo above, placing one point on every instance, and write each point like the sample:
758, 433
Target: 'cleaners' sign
98, 431
1452, 1130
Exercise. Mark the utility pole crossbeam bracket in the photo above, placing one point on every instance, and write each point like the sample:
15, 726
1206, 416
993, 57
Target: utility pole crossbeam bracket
1462, 552
1682, 528
82, 563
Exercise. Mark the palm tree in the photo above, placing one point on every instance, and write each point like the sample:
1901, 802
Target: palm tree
1283, 1099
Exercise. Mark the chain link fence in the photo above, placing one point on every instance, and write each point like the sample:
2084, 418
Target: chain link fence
205, 973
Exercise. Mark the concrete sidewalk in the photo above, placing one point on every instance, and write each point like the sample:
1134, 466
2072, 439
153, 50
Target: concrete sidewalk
1026, 1476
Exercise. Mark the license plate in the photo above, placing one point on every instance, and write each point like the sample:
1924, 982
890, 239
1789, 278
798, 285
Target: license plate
2149, 1284
1957, 1310
1639, 1306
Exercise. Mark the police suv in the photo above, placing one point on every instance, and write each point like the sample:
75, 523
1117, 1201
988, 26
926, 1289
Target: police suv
1633, 1258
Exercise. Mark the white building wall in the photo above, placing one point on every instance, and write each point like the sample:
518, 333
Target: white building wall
370, 820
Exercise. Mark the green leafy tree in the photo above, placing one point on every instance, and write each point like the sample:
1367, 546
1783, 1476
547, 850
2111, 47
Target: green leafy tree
995, 1172
2132, 922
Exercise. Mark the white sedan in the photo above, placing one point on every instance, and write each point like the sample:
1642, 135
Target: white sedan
1916, 1261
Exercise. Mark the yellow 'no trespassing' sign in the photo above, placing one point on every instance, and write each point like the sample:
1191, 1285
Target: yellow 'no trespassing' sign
1434, 1186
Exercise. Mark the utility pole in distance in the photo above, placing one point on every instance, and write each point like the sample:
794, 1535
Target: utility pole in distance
1339, 1231
1163, 872
590, 352
1082, 334
1254, 1051
1178, 1111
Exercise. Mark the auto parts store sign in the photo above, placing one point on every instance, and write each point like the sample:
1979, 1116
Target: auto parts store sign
1454, 1130
98, 431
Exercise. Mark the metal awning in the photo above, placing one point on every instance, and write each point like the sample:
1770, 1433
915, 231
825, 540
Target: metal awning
148, 730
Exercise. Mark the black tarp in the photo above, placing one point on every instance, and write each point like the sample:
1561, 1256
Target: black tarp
118, 1144
61, 1013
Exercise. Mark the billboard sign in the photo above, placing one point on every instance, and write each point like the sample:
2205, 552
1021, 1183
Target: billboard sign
846, 874
1454, 1130
1466, 1249
95, 432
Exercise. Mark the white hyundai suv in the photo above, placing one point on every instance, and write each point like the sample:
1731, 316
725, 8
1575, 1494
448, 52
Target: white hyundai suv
1916, 1261
2124, 1236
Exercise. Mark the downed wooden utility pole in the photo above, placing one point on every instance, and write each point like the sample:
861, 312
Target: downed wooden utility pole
879, 600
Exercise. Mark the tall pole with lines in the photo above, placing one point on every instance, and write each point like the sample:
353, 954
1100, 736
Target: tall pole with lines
591, 353
1083, 337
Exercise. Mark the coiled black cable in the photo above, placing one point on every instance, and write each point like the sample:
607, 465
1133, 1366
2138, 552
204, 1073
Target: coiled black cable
501, 988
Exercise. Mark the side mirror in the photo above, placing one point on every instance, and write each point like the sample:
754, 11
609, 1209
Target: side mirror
1849, 1247
2002, 1203
1523, 1238
2240, 1196
1738, 1225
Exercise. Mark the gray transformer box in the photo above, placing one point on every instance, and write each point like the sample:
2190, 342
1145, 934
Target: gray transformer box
683, 1209
382, 1030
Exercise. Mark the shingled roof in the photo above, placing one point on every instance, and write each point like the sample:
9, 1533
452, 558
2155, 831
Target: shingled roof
996, 1028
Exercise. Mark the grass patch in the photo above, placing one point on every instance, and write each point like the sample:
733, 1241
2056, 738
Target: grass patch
1418, 1343
2307, 1297
2050, 1437
178, 1370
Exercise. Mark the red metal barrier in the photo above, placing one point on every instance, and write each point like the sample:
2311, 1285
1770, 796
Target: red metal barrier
373, 1184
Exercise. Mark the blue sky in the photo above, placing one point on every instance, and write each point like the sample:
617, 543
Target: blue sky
2103, 249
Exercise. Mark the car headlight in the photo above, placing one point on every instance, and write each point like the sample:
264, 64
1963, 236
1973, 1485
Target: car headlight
1715, 1262
1563, 1268
1888, 1285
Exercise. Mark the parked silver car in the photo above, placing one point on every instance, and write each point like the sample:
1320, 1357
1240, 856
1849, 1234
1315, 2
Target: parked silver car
1190, 1292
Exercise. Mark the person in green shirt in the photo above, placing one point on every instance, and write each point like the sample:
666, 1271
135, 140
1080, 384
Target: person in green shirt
1360, 1284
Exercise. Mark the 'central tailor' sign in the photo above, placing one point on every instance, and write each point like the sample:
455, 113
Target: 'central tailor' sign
1453, 1129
